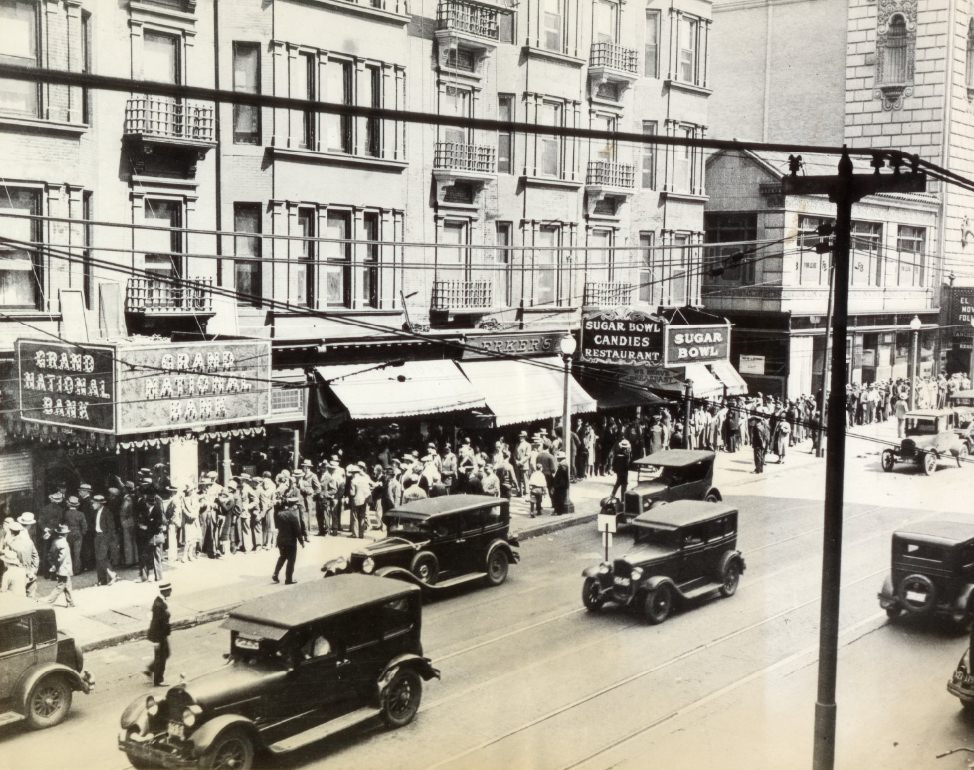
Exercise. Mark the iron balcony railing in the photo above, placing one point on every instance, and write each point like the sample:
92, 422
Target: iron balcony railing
609, 173
614, 56
463, 16
166, 296
603, 293
162, 117
457, 156
454, 295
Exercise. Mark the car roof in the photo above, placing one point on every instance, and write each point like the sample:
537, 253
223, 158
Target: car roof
682, 513
929, 413
962, 394
954, 530
429, 507
14, 606
278, 612
675, 458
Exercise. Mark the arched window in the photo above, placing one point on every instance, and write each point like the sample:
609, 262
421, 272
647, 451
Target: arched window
895, 52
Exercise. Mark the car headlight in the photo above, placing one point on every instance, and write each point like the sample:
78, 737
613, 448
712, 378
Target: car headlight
151, 706
190, 713
636, 573
368, 565
604, 568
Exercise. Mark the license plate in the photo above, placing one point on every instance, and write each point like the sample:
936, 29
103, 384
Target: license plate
621, 581
916, 596
177, 730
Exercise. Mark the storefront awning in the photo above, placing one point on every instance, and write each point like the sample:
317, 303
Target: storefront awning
414, 388
725, 372
526, 390
708, 379
613, 394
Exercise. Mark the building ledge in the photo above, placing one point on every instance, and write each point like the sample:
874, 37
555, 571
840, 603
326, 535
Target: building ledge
339, 159
690, 88
548, 181
681, 196
41, 125
563, 58
142, 11
350, 6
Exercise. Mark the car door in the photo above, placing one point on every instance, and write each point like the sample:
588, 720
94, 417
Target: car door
448, 544
315, 680
477, 528
360, 651
693, 554
17, 652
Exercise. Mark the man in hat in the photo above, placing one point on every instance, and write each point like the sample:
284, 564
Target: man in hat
88, 540
326, 501
21, 560
548, 464
559, 485
59, 565
48, 519
104, 541
129, 528
189, 503
621, 460
359, 492
341, 482
150, 530
77, 529
290, 533
172, 515
310, 487
448, 468
158, 634
266, 501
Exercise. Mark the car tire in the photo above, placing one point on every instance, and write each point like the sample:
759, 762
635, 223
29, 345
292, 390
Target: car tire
657, 604
917, 583
592, 595
401, 698
713, 496
137, 762
48, 702
233, 748
497, 566
888, 460
730, 579
929, 463
893, 611
425, 567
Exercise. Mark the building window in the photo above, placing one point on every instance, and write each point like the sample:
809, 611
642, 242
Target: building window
551, 114
505, 139
650, 127
605, 25
246, 248
813, 267
87, 269
866, 254
687, 53
20, 267
679, 260
338, 88
603, 149
305, 286
684, 167
246, 80
546, 260
373, 126
505, 27
599, 262
647, 271
164, 252
305, 88
338, 259
553, 24
505, 240
456, 103
160, 57
651, 46
369, 283
453, 257
460, 58
895, 52
85, 65
19, 45
911, 247
740, 228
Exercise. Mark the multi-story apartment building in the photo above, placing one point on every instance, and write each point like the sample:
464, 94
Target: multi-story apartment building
893, 73
330, 234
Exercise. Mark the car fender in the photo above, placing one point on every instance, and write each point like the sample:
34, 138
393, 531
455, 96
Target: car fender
715, 492
887, 594
727, 558
592, 572
651, 584
202, 738
399, 573
135, 716
34, 675
963, 600
419, 664
512, 556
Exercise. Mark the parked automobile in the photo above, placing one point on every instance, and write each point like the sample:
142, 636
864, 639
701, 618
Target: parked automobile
303, 664
681, 551
440, 542
675, 474
962, 403
41, 667
961, 683
930, 438
932, 570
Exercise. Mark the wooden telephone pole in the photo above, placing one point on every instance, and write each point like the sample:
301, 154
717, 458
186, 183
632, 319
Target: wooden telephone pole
843, 190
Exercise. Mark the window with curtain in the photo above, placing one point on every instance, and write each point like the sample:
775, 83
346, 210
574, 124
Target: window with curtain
304, 287
895, 52
160, 57
603, 149
911, 247
687, 59
651, 45
552, 24
550, 114
19, 46
304, 87
546, 260
20, 267
338, 88
338, 252
866, 255
505, 139
369, 276
246, 79
647, 274
650, 127
247, 253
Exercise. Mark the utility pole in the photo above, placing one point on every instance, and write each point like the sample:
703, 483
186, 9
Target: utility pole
843, 190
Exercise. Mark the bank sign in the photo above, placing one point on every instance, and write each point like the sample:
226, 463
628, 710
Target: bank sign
133, 389
626, 337
696, 344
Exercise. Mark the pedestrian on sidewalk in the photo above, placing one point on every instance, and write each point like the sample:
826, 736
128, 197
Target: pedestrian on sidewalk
190, 504
126, 516
560, 485
159, 631
267, 502
50, 517
760, 437
59, 559
104, 543
20, 560
537, 485
290, 533
621, 460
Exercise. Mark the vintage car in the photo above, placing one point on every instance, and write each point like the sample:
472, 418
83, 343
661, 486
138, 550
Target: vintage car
304, 663
41, 667
961, 683
930, 438
440, 542
676, 474
962, 404
681, 551
932, 569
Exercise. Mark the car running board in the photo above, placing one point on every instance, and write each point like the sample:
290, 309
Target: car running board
320, 732
10, 718
701, 590
458, 581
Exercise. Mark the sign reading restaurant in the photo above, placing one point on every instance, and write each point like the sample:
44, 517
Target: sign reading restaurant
143, 388
696, 344
622, 337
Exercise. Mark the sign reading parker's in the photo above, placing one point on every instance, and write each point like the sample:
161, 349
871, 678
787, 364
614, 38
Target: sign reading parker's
72, 386
696, 344
537, 343
622, 337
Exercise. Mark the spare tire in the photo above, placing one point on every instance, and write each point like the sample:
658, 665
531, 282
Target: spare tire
917, 594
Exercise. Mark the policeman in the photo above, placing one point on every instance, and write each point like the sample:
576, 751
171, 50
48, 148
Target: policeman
290, 532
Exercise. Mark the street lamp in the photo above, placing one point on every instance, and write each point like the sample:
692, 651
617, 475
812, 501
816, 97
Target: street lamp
915, 325
567, 348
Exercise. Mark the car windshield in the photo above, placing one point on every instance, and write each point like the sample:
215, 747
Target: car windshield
404, 526
666, 538
676, 476
921, 426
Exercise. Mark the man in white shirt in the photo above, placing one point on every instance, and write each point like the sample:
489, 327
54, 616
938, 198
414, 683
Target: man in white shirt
104, 541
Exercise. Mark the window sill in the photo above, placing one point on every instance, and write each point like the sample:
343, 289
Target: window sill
690, 88
46, 126
544, 53
682, 196
339, 159
349, 6
548, 181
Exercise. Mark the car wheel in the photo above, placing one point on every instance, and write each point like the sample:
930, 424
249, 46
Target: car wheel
929, 463
731, 578
425, 567
137, 762
657, 604
592, 595
968, 708
713, 496
893, 612
962, 455
888, 460
233, 748
48, 702
497, 567
400, 700
917, 594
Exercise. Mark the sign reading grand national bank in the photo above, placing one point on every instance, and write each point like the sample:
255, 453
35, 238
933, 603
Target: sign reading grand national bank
129, 389
622, 337
696, 344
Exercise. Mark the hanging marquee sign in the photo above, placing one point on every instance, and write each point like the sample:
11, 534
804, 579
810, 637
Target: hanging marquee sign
622, 336
696, 344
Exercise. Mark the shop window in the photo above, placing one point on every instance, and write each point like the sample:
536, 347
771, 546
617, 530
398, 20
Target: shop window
505, 139
651, 45
20, 265
647, 271
866, 257
247, 253
246, 79
338, 259
729, 227
911, 258
650, 127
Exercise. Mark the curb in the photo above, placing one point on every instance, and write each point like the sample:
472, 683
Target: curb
555, 526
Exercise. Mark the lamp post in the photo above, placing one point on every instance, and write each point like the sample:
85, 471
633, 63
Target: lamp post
567, 348
915, 325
